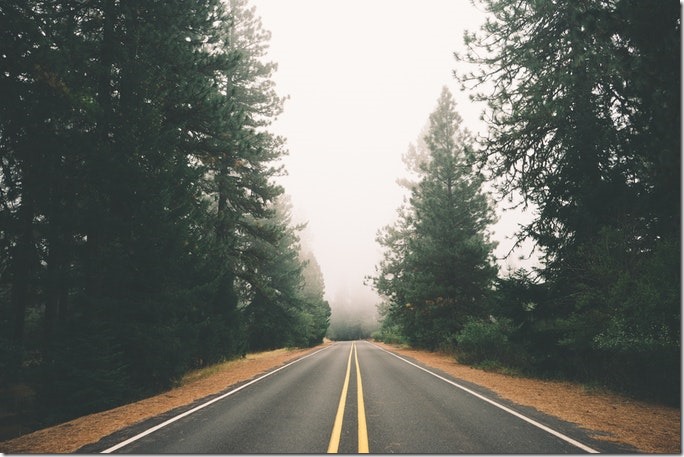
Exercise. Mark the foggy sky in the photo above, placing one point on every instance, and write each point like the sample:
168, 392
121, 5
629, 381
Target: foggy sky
362, 76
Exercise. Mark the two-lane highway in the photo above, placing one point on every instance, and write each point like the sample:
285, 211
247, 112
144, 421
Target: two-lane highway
349, 398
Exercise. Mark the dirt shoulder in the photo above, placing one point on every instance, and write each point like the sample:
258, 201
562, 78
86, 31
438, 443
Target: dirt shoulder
648, 428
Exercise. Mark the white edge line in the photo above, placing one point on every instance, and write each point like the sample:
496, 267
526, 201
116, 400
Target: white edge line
498, 405
204, 405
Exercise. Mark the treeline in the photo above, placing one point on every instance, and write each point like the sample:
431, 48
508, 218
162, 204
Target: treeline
348, 326
141, 232
354, 316
584, 118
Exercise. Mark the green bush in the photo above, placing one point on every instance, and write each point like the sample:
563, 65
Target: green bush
86, 371
488, 341
390, 334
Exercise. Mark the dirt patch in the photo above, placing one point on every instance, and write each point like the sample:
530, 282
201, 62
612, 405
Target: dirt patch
649, 428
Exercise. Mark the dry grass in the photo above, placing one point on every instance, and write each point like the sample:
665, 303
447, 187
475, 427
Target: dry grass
649, 428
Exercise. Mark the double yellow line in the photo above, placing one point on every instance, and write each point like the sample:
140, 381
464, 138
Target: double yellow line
361, 410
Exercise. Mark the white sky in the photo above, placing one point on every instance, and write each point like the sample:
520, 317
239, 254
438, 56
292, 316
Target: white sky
363, 76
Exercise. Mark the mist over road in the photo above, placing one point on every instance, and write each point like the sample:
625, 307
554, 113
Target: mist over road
355, 397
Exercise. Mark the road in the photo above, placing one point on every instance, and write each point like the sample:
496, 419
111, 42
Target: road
355, 397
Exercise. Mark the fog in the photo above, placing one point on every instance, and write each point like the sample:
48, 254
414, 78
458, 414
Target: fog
362, 78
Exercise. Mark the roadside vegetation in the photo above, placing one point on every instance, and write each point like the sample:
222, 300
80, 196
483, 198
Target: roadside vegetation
584, 126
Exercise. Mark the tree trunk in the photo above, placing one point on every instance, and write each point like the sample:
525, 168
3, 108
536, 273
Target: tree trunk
21, 266
99, 201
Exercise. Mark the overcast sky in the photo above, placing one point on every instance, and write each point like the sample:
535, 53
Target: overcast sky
362, 76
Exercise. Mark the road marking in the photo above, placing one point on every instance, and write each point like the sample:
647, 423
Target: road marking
553, 432
361, 419
204, 405
337, 426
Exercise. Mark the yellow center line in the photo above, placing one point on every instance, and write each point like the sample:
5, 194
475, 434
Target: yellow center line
337, 427
362, 431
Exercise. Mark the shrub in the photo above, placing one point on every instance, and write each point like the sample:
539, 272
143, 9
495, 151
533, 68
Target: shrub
486, 341
390, 334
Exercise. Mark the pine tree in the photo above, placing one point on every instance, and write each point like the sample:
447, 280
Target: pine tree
316, 308
438, 266
580, 126
121, 124
284, 310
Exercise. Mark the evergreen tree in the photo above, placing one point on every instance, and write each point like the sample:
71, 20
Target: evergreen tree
274, 310
312, 293
135, 160
285, 310
580, 125
241, 153
438, 266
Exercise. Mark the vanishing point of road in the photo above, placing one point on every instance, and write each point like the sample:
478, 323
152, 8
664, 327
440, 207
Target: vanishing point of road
354, 397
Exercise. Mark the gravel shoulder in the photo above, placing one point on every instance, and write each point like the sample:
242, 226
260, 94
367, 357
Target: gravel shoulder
648, 428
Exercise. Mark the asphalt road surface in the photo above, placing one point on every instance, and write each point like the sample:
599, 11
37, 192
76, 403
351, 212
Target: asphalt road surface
355, 397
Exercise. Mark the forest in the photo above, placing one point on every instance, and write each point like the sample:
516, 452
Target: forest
141, 232
583, 121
